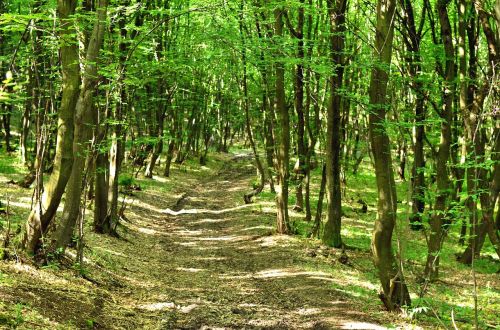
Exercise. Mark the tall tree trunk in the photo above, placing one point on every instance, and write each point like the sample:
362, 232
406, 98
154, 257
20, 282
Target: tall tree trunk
116, 153
319, 207
44, 212
487, 195
439, 217
331, 234
170, 156
83, 133
395, 292
246, 106
412, 38
158, 147
298, 33
283, 157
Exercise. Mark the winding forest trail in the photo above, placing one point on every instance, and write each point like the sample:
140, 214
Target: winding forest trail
210, 262
192, 255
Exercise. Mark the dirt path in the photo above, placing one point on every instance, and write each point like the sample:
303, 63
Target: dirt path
193, 256
211, 262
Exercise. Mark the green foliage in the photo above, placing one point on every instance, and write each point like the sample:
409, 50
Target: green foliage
126, 180
12, 316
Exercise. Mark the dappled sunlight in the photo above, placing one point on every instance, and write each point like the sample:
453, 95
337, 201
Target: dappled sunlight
208, 248
348, 232
208, 220
270, 209
272, 273
24, 205
189, 233
280, 273
256, 228
230, 238
139, 217
322, 278
202, 211
189, 270
45, 276
203, 266
308, 311
158, 306
161, 179
110, 251
138, 203
145, 230
211, 258
362, 325
276, 240
233, 189
189, 244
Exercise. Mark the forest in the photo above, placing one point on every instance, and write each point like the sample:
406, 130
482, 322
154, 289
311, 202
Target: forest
249, 164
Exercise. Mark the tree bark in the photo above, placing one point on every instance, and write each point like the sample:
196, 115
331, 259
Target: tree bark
437, 220
283, 157
331, 234
41, 217
246, 107
83, 132
395, 292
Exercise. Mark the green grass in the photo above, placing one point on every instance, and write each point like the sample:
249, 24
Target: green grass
435, 308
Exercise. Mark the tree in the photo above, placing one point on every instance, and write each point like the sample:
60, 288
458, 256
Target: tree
283, 157
47, 204
395, 292
336, 13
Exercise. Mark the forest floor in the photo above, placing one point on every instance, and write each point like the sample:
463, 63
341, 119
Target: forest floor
192, 255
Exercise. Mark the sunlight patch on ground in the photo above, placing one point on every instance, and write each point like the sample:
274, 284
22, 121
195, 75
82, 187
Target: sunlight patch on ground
308, 311
139, 203
206, 248
269, 209
257, 227
144, 230
23, 205
187, 243
322, 278
198, 211
187, 309
190, 270
158, 306
229, 238
163, 306
36, 273
222, 238
288, 272
211, 258
362, 325
110, 251
249, 305
161, 179
275, 240
280, 273
208, 220
147, 231
187, 232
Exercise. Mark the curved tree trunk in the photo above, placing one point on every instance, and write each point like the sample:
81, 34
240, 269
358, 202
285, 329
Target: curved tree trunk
82, 135
45, 211
395, 292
